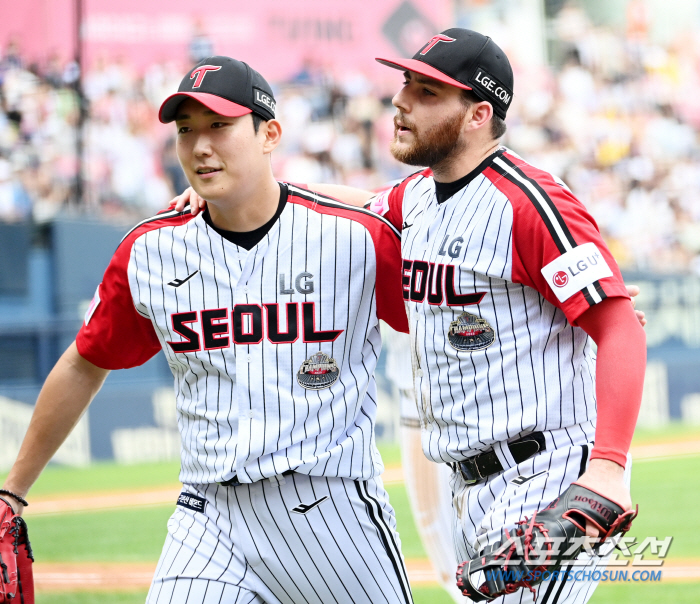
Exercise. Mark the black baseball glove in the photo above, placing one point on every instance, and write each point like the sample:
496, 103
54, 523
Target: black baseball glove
545, 542
16, 578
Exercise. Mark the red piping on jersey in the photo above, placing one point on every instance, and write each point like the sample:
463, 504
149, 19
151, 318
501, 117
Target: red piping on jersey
387, 246
115, 291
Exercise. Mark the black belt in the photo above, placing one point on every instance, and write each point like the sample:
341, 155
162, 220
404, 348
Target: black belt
234, 482
480, 467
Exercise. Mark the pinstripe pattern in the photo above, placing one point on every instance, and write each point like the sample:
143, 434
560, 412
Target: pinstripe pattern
247, 545
484, 509
539, 373
240, 407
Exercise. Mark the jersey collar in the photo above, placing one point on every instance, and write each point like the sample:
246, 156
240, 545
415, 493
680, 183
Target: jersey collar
445, 190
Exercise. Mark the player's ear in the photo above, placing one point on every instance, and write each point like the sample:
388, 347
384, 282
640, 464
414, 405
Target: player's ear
479, 115
272, 131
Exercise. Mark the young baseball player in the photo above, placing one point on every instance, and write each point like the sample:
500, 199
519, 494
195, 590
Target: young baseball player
267, 309
508, 283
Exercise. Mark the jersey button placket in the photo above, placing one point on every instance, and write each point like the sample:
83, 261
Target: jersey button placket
244, 394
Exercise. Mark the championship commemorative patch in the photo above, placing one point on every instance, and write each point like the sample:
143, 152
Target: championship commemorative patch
470, 332
191, 502
317, 372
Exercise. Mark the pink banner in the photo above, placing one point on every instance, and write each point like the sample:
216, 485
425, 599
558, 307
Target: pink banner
274, 36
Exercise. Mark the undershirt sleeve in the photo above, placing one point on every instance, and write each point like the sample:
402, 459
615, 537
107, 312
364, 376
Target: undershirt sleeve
619, 376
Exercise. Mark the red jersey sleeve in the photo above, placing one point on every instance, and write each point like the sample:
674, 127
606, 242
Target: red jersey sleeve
390, 303
557, 247
389, 202
114, 335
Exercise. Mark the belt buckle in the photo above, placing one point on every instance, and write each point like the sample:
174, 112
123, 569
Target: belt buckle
468, 468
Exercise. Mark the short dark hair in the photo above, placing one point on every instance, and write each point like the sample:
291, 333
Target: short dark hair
498, 126
257, 120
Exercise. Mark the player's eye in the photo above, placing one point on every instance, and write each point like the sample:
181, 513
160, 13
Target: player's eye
182, 129
219, 124
428, 92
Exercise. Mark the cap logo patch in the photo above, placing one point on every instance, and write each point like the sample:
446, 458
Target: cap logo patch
264, 100
200, 72
434, 40
490, 85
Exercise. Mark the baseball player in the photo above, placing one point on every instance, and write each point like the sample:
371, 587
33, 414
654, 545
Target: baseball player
506, 281
267, 309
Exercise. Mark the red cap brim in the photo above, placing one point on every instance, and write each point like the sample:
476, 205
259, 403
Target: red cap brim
423, 69
220, 105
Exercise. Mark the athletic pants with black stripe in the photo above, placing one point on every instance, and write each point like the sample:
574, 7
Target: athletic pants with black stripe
290, 539
484, 509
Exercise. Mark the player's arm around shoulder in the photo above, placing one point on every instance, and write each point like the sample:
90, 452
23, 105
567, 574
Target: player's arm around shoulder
349, 195
67, 392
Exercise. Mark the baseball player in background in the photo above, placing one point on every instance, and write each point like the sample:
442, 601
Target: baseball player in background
267, 308
427, 483
507, 284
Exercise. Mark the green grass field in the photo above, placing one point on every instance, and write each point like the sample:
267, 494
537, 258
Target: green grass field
664, 489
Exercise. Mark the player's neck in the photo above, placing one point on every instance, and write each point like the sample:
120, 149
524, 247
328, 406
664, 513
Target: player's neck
454, 168
248, 209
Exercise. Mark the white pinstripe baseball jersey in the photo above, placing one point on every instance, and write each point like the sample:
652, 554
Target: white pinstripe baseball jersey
496, 269
273, 350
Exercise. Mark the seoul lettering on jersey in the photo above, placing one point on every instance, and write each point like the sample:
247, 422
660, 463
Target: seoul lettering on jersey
490, 317
272, 349
246, 326
425, 279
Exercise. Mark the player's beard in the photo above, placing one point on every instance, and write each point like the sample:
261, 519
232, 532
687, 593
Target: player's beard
437, 147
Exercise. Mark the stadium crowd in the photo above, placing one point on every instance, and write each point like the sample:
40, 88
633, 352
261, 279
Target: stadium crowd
617, 120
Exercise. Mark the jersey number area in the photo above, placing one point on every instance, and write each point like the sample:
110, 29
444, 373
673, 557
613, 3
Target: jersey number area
214, 329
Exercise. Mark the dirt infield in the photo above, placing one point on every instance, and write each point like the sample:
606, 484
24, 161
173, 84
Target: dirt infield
128, 576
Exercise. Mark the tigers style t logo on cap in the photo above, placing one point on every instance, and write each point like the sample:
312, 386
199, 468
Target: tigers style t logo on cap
434, 40
226, 86
467, 60
200, 72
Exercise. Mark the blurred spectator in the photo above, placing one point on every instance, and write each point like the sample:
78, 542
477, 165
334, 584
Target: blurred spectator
201, 45
617, 121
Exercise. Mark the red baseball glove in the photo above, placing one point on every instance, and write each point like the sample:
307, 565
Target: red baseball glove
543, 543
16, 578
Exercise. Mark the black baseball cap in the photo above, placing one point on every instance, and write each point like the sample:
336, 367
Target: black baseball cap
465, 59
224, 85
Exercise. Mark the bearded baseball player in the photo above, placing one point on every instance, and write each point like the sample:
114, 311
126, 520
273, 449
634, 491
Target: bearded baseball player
267, 308
507, 284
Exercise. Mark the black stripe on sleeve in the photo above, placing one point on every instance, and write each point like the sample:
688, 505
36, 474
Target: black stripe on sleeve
561, 245
547, 199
